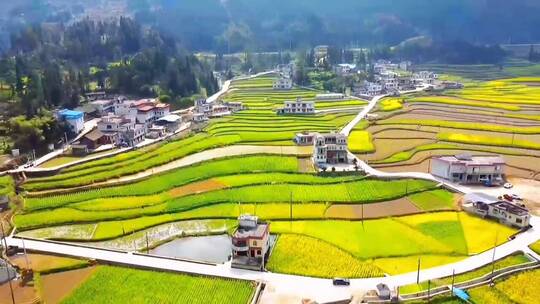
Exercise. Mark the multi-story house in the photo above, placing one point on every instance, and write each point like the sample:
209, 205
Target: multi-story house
297, 107
330, 149
467, 169
283, 83
250, 243
75, 119
503, 211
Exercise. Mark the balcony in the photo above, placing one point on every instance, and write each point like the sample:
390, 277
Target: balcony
240, 245
237, 248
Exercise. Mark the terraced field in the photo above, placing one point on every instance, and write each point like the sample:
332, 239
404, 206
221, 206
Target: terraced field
347, 216
497, 117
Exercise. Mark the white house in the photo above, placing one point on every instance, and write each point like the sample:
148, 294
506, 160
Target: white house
304, 138
487, 206
286, 70
467, 169
369, 89
297, 107
283, 83
344, 68
75, 119
425, 77
330, 149
201, 106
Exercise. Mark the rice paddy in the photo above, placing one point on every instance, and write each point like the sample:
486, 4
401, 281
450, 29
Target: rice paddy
123, 285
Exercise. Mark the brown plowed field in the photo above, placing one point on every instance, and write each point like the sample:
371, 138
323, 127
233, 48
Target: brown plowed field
57, 286
402, 206
197, 187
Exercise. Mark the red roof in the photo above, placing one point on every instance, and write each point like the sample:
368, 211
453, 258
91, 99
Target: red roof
145, 108
162, 105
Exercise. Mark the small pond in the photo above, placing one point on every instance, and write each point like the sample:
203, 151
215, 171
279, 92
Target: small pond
213, 248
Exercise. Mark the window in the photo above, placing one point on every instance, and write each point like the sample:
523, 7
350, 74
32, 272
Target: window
519, 221
259, 252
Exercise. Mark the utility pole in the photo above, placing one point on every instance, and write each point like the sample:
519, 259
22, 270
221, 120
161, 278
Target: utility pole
453, 280
428, 290
6, 264
147, 244
493, 257
418, 272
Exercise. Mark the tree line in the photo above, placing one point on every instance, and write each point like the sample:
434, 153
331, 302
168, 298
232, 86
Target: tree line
54, 66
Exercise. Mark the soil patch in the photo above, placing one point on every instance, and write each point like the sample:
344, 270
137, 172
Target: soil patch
22, 294
528, 189
402, 206
305, 165
197, 187
56, 287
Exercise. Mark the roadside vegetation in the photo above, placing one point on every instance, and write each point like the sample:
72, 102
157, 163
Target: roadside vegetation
123, 285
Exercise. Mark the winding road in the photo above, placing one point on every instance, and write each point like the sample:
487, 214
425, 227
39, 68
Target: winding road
283, 287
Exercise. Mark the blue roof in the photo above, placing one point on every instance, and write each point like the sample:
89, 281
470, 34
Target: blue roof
462, 294
70, 114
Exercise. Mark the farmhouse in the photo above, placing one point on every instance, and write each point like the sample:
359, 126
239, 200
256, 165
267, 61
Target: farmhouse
250, 243
75, 119
505, 212
467, 169
369, 89
330, 149
234, 106
304, 138
297, 107
285, 69
344, 69
283, 83
93, 140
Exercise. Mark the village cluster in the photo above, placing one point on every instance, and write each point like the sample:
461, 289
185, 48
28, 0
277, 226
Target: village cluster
123, 122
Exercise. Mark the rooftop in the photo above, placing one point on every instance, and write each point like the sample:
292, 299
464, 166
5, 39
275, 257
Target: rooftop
170, 118
257, 232
511, 208
70, 114
473, 160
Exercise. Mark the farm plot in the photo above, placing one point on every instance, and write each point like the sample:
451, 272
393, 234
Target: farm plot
363, 191
443, 233
317, 258
504, 123
123, 285
167, 181
128, 163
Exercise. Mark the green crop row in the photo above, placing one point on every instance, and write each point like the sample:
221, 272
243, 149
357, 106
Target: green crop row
124, 285
364, 191
169, 180
104, 172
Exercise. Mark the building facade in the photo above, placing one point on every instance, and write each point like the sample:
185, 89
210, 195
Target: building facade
330, 149
75, 119
297, 107
250, 243
467, 169
503, 211
283, 83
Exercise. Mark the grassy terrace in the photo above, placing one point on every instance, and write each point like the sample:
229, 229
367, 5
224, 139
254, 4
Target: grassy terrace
124, 285
437, 238
259, 125
265, 190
